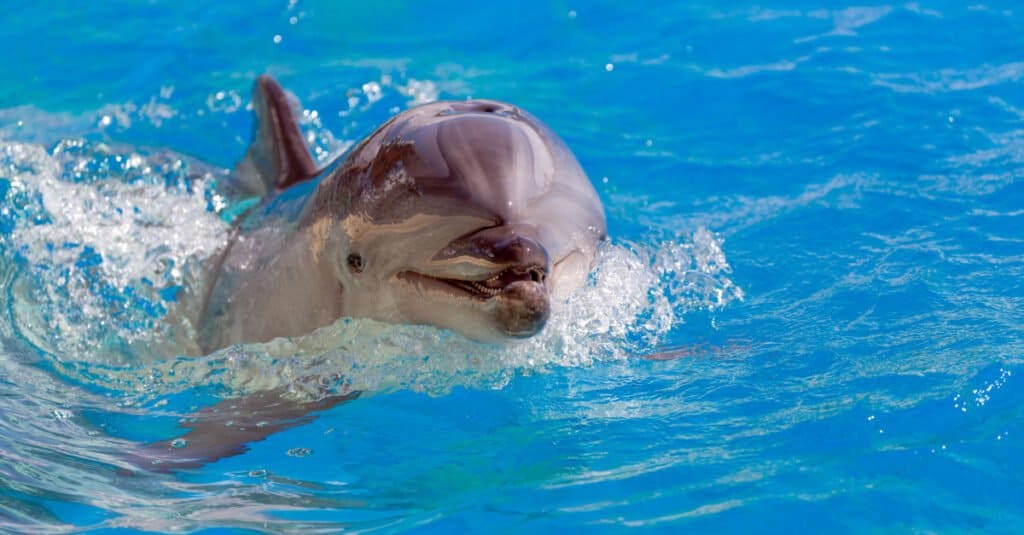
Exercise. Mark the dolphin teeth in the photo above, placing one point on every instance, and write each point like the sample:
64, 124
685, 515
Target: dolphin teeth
474, 287
485, 289
496, 284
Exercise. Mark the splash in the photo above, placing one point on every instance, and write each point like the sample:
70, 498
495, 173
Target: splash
634, 298
109, 240
111, 244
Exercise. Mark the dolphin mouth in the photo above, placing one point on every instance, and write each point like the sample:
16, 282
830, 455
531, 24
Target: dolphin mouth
484, 289
515, 300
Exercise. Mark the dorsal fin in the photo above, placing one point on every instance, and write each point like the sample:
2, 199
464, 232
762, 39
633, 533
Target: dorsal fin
277, 153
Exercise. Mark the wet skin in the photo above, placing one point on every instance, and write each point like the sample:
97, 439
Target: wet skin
469, 216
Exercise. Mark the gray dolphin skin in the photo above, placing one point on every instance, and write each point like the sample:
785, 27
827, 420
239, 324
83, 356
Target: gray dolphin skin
469, 215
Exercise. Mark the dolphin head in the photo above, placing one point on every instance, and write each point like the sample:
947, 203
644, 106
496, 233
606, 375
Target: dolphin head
465, 215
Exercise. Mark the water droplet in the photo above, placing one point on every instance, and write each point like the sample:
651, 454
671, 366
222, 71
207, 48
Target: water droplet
609, 67
373, 91
572, 13
277, 39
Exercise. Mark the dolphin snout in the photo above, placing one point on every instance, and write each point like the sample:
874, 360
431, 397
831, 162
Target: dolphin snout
518, 250
524, 308
505, 245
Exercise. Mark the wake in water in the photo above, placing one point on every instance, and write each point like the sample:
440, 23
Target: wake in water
109, 246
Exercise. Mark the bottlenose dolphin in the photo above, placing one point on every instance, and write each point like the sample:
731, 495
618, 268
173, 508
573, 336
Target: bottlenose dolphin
470, 216
467, 215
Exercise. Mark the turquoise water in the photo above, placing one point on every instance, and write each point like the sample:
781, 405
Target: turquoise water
809, 316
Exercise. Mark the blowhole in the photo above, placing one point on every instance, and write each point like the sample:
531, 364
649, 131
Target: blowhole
476, 107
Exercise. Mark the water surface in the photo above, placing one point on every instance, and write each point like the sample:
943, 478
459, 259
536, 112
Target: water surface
808, 317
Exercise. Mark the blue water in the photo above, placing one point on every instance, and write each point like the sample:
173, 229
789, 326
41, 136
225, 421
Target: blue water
809, 317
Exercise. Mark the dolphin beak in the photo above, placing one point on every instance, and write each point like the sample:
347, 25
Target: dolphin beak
502, 245
524, 305
523, 309
501, 272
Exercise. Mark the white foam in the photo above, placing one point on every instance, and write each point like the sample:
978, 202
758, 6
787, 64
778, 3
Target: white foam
635, 297
103, 232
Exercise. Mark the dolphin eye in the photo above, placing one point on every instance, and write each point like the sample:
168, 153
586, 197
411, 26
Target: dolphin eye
355, 263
